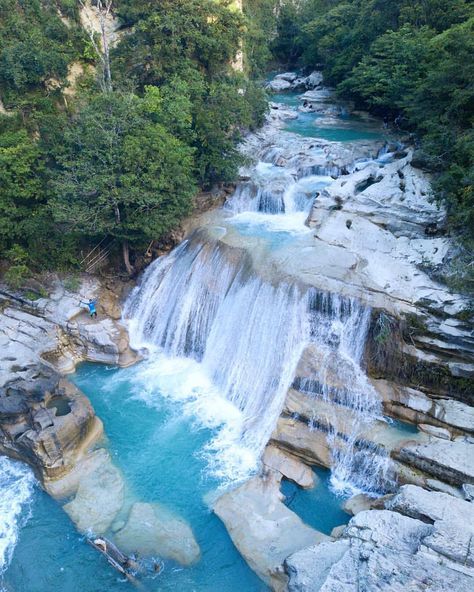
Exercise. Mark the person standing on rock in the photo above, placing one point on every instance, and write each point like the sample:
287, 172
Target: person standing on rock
91, 305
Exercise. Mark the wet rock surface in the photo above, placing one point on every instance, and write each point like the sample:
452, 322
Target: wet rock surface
152, 530
266, 532
382, 550
46, 421
58, 331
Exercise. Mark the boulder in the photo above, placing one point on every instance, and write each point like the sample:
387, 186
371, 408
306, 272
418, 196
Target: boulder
453, 542
314, 80
362, 502
430, 506
435, 431
309, 568
309, 445
34, 430
452, 462
288, 76
98, 499
381, 551
152, 530
288, 466
266, 532
279, 85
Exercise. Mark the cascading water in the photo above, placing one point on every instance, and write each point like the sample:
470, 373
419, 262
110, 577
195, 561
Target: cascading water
202, 301
16, 491
205, 302
349, 404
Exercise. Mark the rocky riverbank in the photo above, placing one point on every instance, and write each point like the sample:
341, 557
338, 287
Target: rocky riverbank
377, 236
381, 389
48, 423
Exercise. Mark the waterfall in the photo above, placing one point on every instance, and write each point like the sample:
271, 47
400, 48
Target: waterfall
346, 405
204, 301
280, 194
17, 484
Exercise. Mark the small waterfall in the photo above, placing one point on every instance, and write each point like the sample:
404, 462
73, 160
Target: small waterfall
346, 405
278, 194
202, 301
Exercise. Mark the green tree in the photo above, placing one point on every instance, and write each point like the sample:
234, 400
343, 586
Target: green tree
122, 174
389, 76
22, 189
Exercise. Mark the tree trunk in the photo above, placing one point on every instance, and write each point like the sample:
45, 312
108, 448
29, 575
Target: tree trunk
126, 257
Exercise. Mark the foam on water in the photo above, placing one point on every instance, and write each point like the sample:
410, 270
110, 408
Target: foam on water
276, 229
184, 380
17, 484
243, 338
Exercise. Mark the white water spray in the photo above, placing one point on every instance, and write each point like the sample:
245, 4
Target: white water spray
16, 492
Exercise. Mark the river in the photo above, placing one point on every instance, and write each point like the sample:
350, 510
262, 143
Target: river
225, 320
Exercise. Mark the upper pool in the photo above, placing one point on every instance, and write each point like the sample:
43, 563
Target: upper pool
338, 127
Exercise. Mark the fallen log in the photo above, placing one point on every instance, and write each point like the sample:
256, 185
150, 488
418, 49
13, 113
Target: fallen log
118, 560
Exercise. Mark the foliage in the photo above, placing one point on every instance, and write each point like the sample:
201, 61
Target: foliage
18, 271
185, 47
122, 174
37, 47
21, 185
260, 30
123, 164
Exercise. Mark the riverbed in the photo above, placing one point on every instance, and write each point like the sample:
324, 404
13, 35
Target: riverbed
183, 426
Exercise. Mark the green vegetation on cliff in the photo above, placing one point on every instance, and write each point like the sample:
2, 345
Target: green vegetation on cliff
85, 154
409, 61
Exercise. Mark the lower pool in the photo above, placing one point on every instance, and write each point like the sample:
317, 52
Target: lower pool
165, 454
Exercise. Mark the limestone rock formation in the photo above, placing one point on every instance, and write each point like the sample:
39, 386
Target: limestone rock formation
385, 551
46, 421
98, 499
57, 330
267, 531
291, 81
288, 466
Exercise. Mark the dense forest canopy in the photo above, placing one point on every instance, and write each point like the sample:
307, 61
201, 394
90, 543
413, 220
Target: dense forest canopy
410, 61
85, 155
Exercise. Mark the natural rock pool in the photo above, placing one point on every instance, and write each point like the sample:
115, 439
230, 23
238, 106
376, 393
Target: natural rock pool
160, 441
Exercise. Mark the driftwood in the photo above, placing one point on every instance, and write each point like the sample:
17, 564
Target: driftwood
122, 563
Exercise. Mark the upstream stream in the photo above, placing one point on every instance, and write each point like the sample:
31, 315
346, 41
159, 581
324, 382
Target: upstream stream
224, 325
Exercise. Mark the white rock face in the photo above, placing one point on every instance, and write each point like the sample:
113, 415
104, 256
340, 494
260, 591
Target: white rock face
429, 505
59, 331
266, 532
279, 85
291, 81
98, 500
381, 551
22, 337
288, 466
449, 461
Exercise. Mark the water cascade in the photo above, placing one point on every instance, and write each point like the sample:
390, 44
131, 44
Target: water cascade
205, 301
